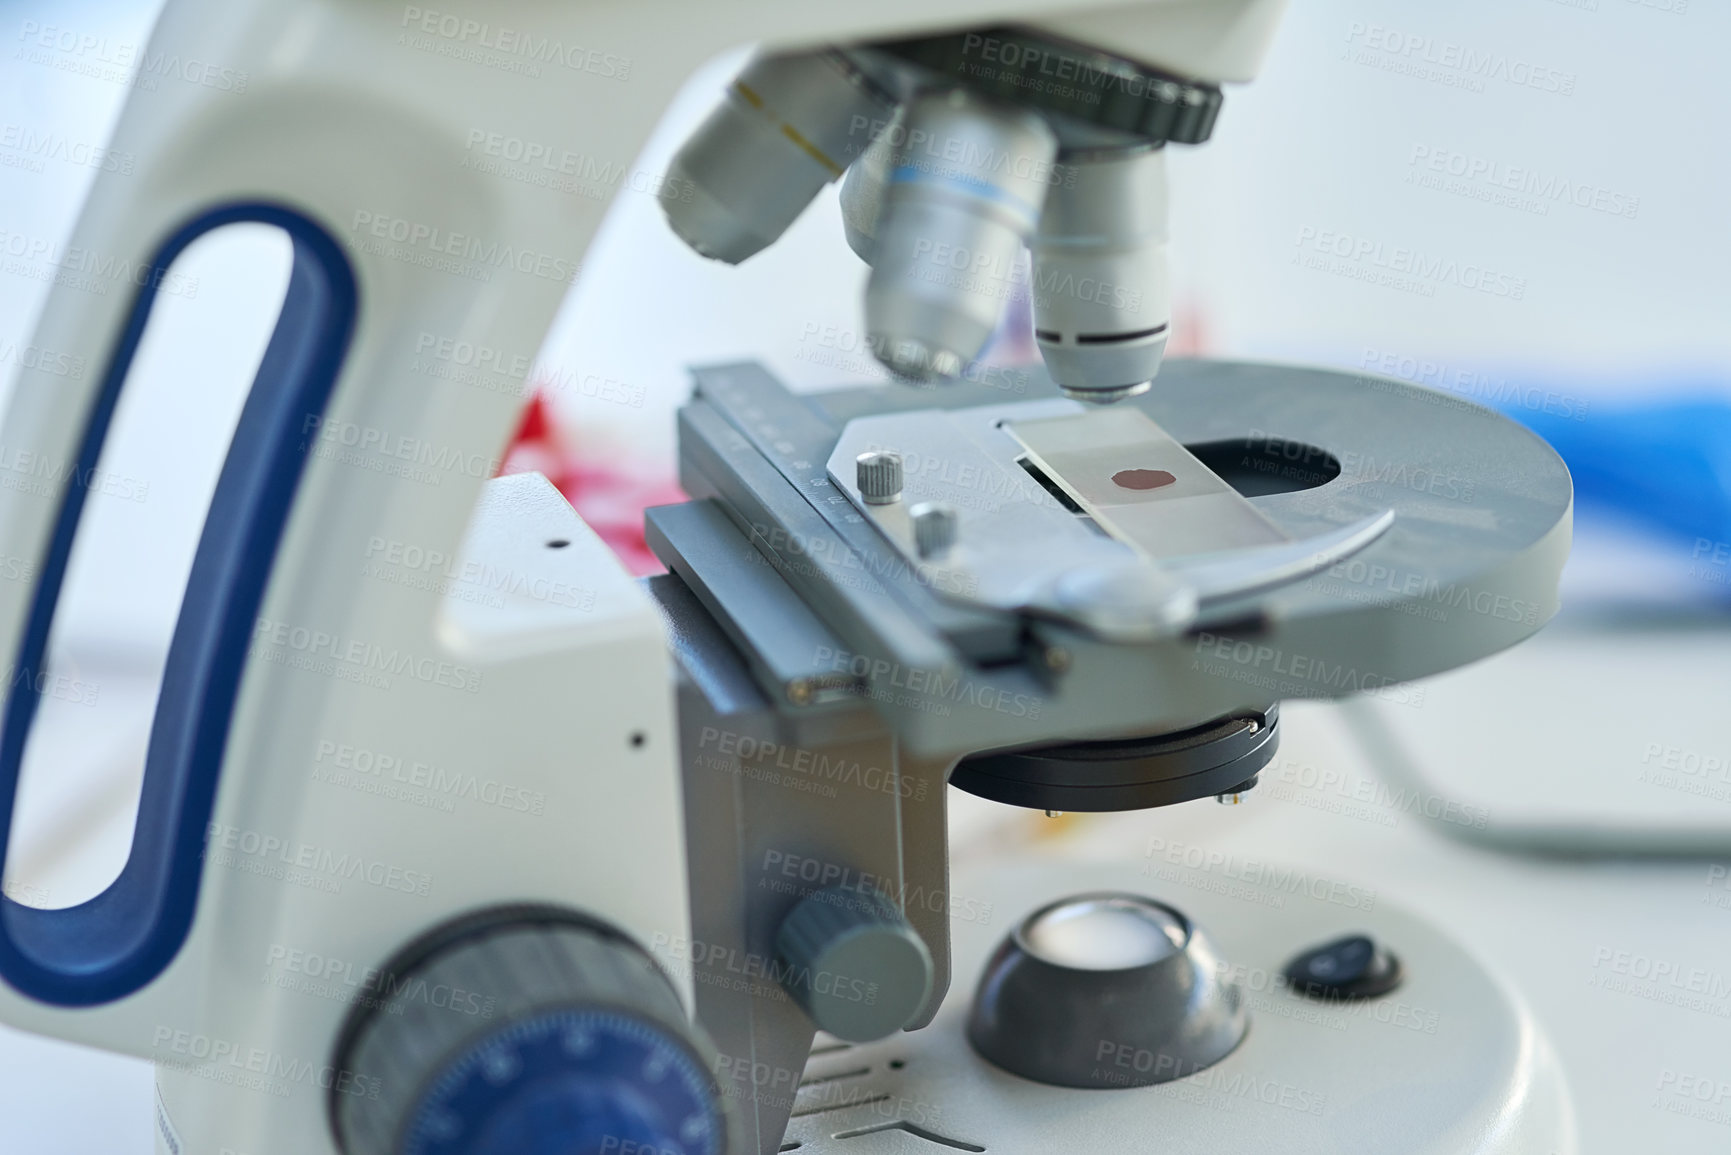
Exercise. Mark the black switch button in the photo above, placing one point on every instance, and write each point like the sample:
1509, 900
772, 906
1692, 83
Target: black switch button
1354, 967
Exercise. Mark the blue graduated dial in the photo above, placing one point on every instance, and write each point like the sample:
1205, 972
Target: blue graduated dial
570, 1082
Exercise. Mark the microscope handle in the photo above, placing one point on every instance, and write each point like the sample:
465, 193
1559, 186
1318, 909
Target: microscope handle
117, 942
322, 143
104, 971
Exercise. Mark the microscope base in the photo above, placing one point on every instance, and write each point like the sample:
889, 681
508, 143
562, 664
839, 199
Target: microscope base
1450, 1061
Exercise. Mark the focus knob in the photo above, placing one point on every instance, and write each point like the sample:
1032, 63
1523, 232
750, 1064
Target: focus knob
853, 963
524, 1032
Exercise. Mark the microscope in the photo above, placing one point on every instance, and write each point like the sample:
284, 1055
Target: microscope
692, 894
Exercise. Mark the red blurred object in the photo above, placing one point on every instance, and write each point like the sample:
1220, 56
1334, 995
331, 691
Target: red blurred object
610, 497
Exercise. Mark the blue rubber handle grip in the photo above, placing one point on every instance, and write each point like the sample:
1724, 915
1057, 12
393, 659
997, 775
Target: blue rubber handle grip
117, 942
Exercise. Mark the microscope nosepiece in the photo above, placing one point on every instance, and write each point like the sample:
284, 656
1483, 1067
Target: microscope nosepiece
969, 180
1101, 297
789, 125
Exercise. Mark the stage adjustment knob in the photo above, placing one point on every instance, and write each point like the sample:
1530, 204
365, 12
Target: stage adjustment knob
853, 963
524, 1032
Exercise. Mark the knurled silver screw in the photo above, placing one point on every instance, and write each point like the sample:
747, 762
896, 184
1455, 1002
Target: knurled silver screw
879, 475
935, 527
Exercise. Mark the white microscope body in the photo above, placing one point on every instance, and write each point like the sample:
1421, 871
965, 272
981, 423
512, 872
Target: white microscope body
237, 962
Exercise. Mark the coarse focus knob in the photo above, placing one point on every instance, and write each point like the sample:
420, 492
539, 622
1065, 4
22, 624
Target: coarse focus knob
879, 474
853, 963
525, 1031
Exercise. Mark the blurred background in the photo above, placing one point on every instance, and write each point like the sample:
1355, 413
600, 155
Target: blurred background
1595, 207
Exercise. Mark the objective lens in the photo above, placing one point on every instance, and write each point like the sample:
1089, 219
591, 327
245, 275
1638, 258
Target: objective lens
862, 190
965, 193
1102, 302
789, 125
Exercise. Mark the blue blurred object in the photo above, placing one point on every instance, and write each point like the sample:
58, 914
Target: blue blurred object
1664, 464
